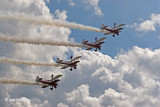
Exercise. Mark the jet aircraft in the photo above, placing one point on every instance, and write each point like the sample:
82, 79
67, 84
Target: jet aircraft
114, 30
53, 82
97, 44
71, 63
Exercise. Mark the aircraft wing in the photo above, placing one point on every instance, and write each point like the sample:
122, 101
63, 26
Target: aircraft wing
89, 48
44, 86
119, 29
56, 77
107, 33
75, 62
75, 58
119, 25
100, 39
64, 67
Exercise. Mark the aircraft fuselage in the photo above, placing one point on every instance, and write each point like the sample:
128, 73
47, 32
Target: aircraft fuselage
49, 82
70, 64
112, 30
94, 44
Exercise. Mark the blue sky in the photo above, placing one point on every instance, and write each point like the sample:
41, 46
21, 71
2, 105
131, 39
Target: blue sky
119, 11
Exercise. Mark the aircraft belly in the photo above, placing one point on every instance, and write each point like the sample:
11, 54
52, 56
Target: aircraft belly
45, 82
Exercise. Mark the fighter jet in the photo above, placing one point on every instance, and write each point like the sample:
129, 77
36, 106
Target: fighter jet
97, 44
114, 30
71, 63
52, 82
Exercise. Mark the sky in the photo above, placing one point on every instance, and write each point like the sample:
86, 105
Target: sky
124, 73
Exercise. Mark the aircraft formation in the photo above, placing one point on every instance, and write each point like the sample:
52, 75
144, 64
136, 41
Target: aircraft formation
72, 63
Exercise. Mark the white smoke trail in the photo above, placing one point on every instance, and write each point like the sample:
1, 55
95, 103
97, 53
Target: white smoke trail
14, 81
57, 23
13, 61
38, 41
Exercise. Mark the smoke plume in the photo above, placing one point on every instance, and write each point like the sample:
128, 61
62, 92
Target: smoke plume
54, 22
38, 41
13, 61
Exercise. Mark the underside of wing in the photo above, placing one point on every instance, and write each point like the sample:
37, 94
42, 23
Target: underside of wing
44, 86
100, 43
56, 77
89, 48
75, 62
119, 29
63, 67
100, 39
119, 25
75, 58
108, 32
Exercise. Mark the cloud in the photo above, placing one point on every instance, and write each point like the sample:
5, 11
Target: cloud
25, 102
80, 97
148, 25
71, 3
122, 81
47, 1
62, 105
61, 15
94, 4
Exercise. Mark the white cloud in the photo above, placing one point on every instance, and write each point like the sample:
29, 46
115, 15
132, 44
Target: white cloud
61, 15
71, 3
148, 25
81, 98
62, 105
25, 102
121, 81
47, 1
94, 4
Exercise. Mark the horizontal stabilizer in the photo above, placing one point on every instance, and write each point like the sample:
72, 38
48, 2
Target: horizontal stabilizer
38, 79
58, 60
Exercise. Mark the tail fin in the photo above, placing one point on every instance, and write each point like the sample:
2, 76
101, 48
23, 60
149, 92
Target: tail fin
38, 79
96, 39
52, 76
115, 24
84, 41
103, 26
58, 60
